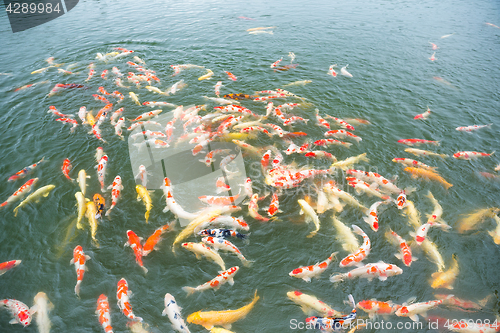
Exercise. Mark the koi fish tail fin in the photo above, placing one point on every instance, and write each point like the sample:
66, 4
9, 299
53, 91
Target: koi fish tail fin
15, 211
189, 290
144, 269
485, 300
77, 288
95, 242
247, 263
409, 190
337, 278
492, 152
146, 215
443, 155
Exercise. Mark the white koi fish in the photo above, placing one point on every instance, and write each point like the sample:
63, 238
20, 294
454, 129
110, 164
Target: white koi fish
344, 71
349, 241
174, 314
101, 171
412, 311
116, 189
200, 249
142, 175
378, 270
42, 308
310, 215
310, 304
215, 283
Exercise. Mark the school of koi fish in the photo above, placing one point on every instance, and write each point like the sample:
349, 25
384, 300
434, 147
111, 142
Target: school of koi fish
212, 230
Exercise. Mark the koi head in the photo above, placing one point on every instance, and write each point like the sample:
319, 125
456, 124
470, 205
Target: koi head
366, 305
401, 200
24, 318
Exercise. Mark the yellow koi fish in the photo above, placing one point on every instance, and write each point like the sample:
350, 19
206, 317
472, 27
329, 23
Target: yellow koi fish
428, 174
82, 181
143, 193
496, 233
190, 228
206, 76
209, 319
432, 252
470, 221
90, 118
310, 216
346, 164
345, 234
134, 97
413, 214
35, 196
81, 202
445, 279
90, 213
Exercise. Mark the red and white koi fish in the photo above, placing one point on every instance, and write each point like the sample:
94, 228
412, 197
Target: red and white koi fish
433, 57
320, 154
209, 157
103, 313
247, 187
470, 155
104, 74
412, 311
99, 153
97, 133
274, 64
274, 205
101, 170
374, 307
143, 123
155, 238
417, 142
225, 245
253, 209
118, 95
358, 256
122, 295
375, 177
372, 218
420, 152
116, 115
91, 74
424, 115
410, 162
116, 189
231, 76
118, 127
172, 205
422, 231
331, 71
361, 186
119, 83
221, 185
252, 129
341, 134
8, 265
329, 142
19, 310
321, 122
200, 249
463, 305
225, 221
103, 112
405, 254
217, 87
307, 272
142, 175
147, 115
79, 258
134, 242
378, 270
218, 200
66, 168
293, 120
82, 114
22, 173
401, 201
215, 283
60, 86
69, 121
53, 110
64, 71
341, 122
116, 71
471, 128
434, 46
20, 193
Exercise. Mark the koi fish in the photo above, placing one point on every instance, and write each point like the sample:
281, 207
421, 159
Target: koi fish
200, 249
471, 128
445, 279
341, 122
345, 164
122, 295
329, 142
22, 173
142, 175
155, 238
410, 162
310, 216
82, 181
209, 157
101, 170
274, 64
222, 233
401, 200
420, 152
225, 245
329, 324
470, 221
344, 71
172, 205
35, 196
417, 142
218, 200
433, 57
91, 213
79, 258
59, 87
231, 76
217, 87
358, 256
143, 194
331, 71
97, 132
470, 155
341, 134
412, 311
174, 314
378, 270
99, 203
54, 111
434, 46
495, 234
215, 283
42, 306
430, 249
19, 310
405, 255
224, 221
374, 307
91, 74
274, 205
209, 319
134, 242
147, 116
81, 201
134, 98
116, 189
153, 104
286, 67
8, 265
424, 115
69, 121
20, 193
361, 186
103, 313
307, 272
206, 76
310, 304
428, 174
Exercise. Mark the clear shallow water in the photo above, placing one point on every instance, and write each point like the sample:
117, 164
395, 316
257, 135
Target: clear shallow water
386, 45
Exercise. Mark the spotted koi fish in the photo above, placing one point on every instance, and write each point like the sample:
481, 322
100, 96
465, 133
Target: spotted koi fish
123, 294
405, 255
22, 173
470, 155
79, 258
361, 253
101, 170
19, 310
215, 283
379, 270
20, 193
307, 272
225, 245
209, 157
103, 313
222, 233
135, 243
